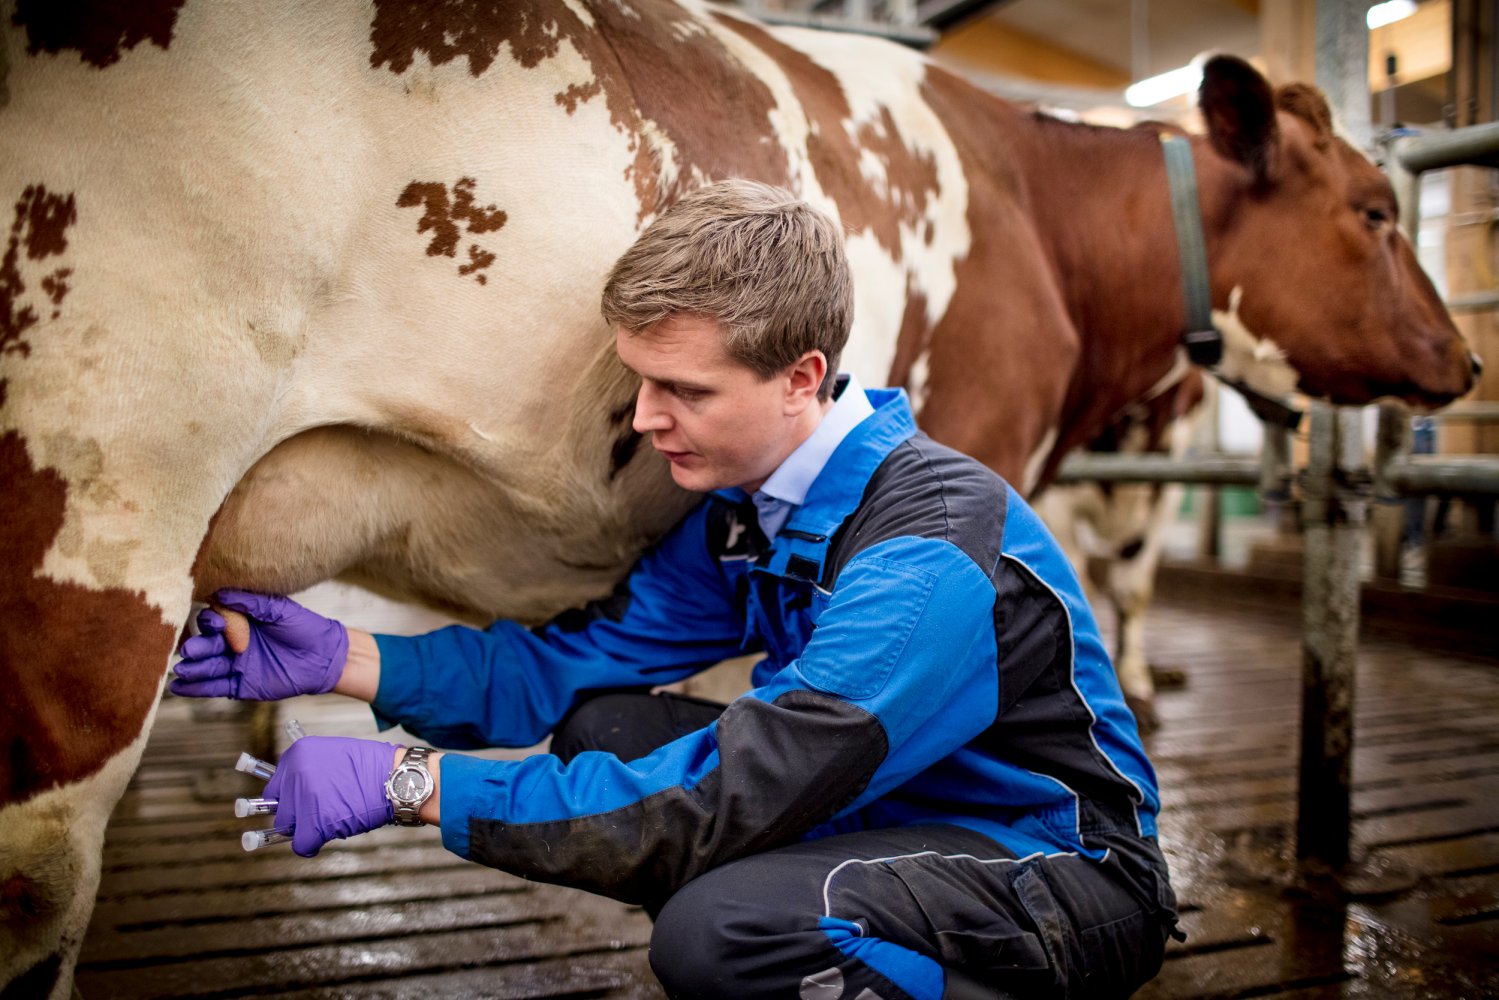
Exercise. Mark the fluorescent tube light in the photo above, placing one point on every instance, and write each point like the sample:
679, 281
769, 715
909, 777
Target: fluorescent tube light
1382, 14
1164, 86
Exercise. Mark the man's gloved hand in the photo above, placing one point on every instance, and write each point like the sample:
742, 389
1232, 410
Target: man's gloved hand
292, 651
329, 787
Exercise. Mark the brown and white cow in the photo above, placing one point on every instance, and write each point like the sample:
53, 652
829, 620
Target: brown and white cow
294, 290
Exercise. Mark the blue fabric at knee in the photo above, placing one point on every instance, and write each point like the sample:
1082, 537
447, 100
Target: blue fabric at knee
918, 975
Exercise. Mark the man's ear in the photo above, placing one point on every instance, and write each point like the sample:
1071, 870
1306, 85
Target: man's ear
805, 377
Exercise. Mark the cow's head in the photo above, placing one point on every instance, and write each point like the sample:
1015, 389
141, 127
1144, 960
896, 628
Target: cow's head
1324, 292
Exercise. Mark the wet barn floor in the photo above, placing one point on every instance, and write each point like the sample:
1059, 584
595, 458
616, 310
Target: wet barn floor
184, 912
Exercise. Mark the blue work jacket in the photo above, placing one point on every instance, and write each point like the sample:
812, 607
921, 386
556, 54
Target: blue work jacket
928, 657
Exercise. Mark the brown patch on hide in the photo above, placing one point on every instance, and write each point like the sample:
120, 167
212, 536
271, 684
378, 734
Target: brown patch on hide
1000, 357
101, 30
474, 30
643, 60
447, 218
910, 176
15, 319
915, 337
46, 221
40, 226
55, 286
77, 682
478, 260
577, 94
730, 137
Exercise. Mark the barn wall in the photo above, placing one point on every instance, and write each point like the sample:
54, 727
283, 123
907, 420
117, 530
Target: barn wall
985, 46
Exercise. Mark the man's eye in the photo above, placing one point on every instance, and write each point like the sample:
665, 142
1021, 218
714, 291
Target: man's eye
687, 395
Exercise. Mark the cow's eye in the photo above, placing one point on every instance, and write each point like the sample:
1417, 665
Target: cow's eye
1376, 216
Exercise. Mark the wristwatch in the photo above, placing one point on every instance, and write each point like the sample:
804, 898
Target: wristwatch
410, 785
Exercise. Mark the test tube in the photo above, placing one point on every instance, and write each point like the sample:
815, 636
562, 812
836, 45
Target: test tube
294, 730
253, 807
254, 840
255, 766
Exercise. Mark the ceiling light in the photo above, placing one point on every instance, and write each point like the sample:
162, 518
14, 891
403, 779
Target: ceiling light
1382, 14
1164, 86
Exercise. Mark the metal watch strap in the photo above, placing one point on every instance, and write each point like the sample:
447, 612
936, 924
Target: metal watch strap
409, 814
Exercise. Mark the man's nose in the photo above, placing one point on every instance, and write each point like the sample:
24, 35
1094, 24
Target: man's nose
649, 416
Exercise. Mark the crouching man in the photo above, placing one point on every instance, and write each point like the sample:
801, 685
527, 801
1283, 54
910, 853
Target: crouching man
933, 789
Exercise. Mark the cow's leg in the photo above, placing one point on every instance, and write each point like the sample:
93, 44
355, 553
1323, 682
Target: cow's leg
1131, 586
1129, 653
90, 623
1075, 515
109, 475
1086, 522
50, 855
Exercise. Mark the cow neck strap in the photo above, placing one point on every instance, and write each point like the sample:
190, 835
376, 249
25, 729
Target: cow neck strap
1204, 341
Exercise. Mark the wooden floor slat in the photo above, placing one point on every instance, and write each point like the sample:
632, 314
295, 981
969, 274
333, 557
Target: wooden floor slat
616, 976
184, 912
370, 960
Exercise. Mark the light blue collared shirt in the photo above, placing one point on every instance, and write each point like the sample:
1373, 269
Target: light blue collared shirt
787, 487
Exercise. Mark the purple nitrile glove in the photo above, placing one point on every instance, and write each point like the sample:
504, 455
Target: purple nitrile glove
292, 651
328, 787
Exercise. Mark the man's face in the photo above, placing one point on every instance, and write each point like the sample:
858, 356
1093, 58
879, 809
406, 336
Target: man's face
715, 420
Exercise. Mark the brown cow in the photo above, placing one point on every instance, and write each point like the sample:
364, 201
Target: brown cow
294, 291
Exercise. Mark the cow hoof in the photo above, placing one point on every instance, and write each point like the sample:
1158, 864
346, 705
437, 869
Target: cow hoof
1145, 713
1167, 678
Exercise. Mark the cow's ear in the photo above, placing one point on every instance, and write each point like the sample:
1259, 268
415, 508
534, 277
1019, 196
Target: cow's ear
1239, 110
1307, 103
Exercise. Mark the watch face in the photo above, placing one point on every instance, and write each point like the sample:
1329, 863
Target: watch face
408, 784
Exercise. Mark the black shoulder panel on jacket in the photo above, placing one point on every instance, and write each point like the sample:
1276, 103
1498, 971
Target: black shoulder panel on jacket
926, 490
1044, 724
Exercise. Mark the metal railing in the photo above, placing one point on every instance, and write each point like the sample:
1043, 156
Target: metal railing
1407, 477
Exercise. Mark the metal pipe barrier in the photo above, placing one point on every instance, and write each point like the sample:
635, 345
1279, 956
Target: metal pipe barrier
1411, 154
1474, 145
1409, 477
1339, 493
1474, 302
1341, 496
1211, 470
1475, 411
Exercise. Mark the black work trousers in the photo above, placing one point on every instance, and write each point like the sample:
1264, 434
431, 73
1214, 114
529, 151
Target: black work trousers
922, 912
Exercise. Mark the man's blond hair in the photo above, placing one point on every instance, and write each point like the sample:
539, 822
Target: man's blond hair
767, 266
